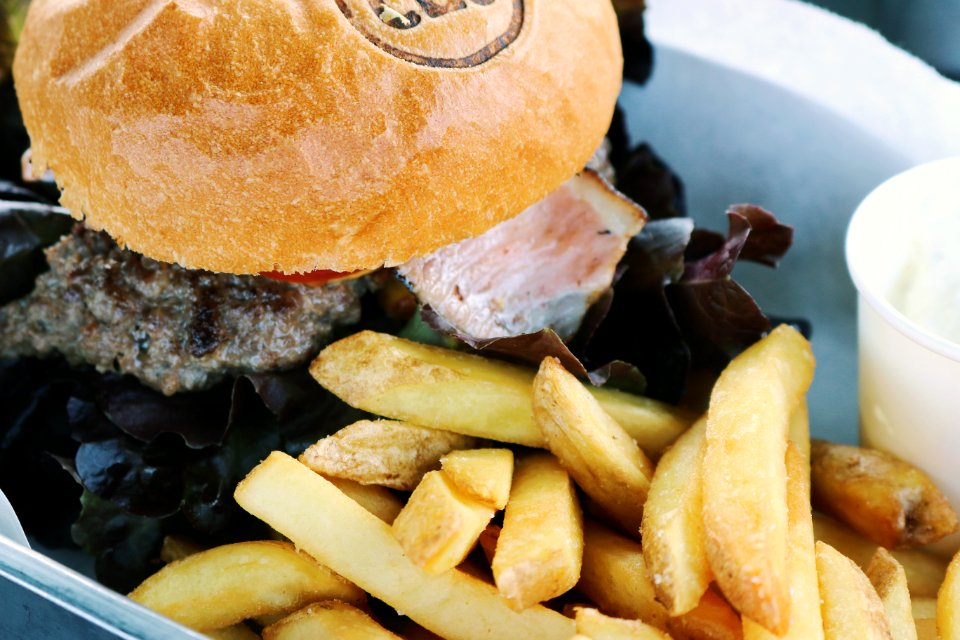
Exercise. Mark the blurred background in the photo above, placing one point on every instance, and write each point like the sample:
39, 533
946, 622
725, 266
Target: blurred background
930, 29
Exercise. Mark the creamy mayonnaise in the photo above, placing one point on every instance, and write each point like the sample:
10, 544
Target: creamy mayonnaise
928, 291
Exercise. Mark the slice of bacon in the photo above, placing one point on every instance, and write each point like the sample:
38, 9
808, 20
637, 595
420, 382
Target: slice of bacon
541, 269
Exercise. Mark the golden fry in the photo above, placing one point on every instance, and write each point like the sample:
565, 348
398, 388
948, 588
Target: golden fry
323, 521
925, 571
948, 603
330, 619
464, 393
483, 474
744, 474
178, 547
540, 548
890, 580
225, 585
806, 622
616, 578
712, 619
239, 631
378, 500
880, 496
597, 626
851, 608
383, 452
604, 460
923, 608
439, 526
672, 528
927, 629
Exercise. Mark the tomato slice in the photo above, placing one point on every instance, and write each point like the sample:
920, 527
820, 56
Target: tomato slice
320, 276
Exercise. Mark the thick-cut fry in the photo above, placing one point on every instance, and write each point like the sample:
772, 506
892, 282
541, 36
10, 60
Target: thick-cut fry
925, 571
923, 608
744, 474
851, 608
323, 521
482, 474
383, 452
597, 626
540, 548
439, 526
239, 631
880, 496
488, 542
806, 622
927, 629
799, 431
948, 603
615, 577
672, 529
889, 579
712, 619
330, 619
225, 585
178, 547
378, 500
468, 394
604, 460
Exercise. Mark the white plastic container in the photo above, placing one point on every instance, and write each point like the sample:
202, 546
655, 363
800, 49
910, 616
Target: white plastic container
909, 376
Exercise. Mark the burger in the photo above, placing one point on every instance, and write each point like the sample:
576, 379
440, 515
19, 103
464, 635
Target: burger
246, 138
252, 178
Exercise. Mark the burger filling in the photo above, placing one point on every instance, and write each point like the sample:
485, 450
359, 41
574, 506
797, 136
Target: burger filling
174, 329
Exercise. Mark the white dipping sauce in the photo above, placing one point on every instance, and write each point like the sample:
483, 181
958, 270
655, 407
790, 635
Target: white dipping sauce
928, 291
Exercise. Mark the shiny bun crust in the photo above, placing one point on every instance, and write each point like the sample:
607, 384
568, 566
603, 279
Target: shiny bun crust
256, 135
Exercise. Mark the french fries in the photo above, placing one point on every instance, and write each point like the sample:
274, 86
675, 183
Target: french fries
439, 526
177, 548
324, 522
727, 508
606, 463
672, 528
383, 452
744, 474
540, 547
239, 631
219, 587
483, 474
806, 622
851, 608
597, 626
924, 608
880, 496
468, 394
948, 603
329, 619
615, 576
376, 499
712, 619
890, 580
925, 571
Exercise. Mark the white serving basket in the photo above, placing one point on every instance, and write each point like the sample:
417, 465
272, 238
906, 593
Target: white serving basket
772, 102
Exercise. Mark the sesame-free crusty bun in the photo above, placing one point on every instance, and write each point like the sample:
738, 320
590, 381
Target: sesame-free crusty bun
257, 135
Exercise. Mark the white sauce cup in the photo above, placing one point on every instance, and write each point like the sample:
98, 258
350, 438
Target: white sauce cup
909, 376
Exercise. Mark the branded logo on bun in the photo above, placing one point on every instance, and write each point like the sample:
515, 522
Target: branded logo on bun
437, 33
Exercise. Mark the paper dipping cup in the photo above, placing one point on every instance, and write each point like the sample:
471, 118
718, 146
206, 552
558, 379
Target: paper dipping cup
909, 387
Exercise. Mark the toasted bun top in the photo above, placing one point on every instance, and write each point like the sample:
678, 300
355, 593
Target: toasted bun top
258, 135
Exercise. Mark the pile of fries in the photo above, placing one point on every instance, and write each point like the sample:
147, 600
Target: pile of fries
496, 502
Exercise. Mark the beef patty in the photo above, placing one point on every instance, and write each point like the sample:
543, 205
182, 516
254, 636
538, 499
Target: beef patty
174, 329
